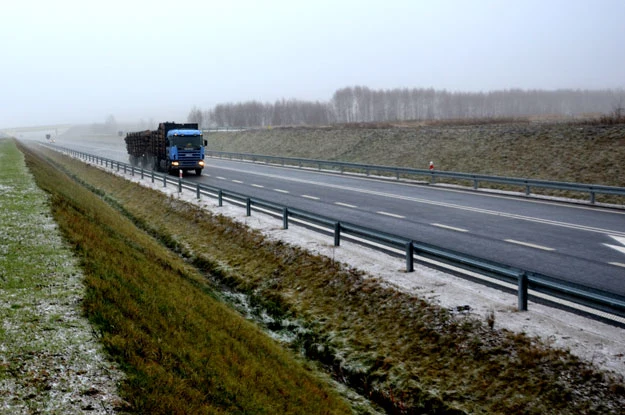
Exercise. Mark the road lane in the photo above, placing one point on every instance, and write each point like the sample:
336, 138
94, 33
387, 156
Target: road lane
572, 242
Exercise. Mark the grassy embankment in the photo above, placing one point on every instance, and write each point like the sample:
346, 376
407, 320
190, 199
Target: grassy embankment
401, 352
182, 349
569, 152
49, 361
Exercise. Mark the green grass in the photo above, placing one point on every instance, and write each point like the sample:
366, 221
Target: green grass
46, 348
183, 350
401, 352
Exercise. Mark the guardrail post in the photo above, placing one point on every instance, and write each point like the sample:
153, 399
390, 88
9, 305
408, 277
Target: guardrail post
124, 169
409, 257
164, 180
285, 218
475, 184
432, 178
179, 185
142, 172
367, 170
197, 192
523, 285
152, 176
592, 198
248, 206
527, 190
220, 198
118, 166
337, 233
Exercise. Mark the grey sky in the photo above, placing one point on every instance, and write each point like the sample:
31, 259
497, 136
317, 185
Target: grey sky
67, 61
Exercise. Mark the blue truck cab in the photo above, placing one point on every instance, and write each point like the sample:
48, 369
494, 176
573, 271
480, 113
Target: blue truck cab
185, 150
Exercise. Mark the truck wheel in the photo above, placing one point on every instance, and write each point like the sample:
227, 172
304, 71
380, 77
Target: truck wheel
198, 172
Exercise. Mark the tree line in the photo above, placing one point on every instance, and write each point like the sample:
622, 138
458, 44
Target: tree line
362, 104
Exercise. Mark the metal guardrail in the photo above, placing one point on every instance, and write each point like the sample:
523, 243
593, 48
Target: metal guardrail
599, 304
433, 175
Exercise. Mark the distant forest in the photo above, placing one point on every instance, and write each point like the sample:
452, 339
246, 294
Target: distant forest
360, 104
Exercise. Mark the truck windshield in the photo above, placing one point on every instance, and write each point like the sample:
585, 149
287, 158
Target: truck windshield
187, 142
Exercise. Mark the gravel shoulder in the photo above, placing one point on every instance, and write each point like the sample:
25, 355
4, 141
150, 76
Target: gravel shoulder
50, 360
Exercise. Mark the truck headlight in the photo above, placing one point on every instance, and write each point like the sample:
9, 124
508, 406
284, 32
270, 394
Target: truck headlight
201, 163
174, 163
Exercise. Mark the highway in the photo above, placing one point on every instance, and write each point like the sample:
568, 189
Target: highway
581, 244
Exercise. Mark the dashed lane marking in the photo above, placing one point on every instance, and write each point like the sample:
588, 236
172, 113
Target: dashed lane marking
281, 191
447, 205
345, 205
258, 185
617, 264
544, 248
237, 181
440, 225
390, 214
221, 178
310, 197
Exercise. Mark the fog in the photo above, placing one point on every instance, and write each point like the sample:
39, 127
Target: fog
71, 61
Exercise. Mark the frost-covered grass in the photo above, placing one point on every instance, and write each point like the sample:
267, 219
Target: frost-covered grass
183, 350
50, 361
398, 350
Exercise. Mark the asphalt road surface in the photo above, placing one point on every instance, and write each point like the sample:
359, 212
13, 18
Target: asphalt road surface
582, 244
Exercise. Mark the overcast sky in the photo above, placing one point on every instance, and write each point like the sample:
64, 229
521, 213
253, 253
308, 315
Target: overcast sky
67, 61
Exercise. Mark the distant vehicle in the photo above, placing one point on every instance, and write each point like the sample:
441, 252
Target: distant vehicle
170, 148
49, 138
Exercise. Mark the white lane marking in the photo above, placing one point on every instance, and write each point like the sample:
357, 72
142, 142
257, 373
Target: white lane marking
390, 214
237, 181
620, 240
281, 191
258, 185
544, 248
618, 264
221, 178
440, 225
310, 197
345, 205
443, 204
503, 195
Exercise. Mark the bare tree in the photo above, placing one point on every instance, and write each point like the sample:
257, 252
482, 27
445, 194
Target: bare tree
196, 115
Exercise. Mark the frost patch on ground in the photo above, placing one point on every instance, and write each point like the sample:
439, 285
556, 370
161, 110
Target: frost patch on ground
600, 344
50, 359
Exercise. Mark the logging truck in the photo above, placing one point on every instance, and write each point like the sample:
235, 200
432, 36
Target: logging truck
170, 148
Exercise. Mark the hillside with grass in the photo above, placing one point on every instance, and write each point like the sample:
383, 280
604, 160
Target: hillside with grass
571, 151
159, 273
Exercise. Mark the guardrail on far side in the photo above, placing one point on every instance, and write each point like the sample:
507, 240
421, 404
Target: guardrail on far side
432, 175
